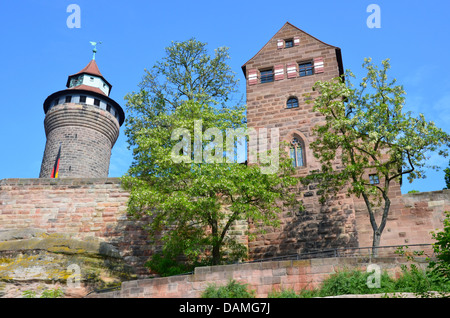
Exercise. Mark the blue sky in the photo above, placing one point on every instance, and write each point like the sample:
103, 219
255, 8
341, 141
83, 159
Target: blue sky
39, 51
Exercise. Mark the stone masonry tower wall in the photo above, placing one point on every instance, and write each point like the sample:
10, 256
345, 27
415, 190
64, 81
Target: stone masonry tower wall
86, 135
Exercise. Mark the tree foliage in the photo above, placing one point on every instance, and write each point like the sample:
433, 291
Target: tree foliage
441, 266
366, 131
447, 177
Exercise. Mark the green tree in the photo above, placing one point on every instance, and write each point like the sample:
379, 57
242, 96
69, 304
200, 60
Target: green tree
366, 132
447, 177
186, 72
194, 203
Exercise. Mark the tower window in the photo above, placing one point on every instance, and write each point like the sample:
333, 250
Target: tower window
296, 152
96, 102
82, 99
305, 69
108, 108
373, 179
56, 102
267, 76
91, 78
68, 99
292, 102
288, 43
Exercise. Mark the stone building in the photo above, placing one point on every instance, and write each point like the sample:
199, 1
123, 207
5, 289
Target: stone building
278, 77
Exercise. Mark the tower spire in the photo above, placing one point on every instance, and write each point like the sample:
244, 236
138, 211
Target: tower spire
94, 49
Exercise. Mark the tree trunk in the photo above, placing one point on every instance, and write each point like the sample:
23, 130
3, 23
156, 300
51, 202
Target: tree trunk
216, 254
376, 243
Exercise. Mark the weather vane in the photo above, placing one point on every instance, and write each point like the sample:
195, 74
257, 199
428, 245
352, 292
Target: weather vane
94, 50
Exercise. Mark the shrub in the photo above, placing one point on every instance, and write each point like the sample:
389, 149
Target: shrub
167, 266
232, 290
285, 293
440, 269
48, 293
353, 282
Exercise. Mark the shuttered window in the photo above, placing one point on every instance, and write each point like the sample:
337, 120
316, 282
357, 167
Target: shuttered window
267, 76
305, 69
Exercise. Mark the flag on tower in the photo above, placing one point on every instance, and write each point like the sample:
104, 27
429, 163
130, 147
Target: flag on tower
56, 166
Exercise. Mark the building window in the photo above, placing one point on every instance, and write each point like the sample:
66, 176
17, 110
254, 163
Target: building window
305, 69
82, 99
267, 76
292, 102
92, 79
296, 152
68, 99
289, 43
96, 102
108, 108
373, 178
56, 102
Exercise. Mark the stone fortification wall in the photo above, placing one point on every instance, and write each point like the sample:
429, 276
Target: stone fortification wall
78, 208
263, 278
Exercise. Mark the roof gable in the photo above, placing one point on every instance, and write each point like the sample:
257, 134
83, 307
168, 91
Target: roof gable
287, 31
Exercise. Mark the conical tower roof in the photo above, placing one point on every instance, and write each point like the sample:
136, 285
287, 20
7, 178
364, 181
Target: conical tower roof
92, 69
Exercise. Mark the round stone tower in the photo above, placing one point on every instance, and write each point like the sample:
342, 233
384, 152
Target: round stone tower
82, 125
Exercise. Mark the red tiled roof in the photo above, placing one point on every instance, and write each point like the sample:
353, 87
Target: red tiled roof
91, 68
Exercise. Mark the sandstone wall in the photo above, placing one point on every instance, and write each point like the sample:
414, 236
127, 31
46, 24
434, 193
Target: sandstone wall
79, 208
263, 277
411, 219
96, 208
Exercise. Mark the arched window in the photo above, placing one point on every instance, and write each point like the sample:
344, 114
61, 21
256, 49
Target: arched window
297, 152
292, 102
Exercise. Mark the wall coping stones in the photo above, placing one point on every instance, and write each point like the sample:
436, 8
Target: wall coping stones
59, 181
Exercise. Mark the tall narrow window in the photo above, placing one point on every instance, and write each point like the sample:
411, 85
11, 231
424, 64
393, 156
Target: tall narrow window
96, 102
267, 76
305, 69
296, 152
292, 102
68, 99
82, 99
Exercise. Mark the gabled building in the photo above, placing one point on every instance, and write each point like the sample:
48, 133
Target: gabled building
278, 77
